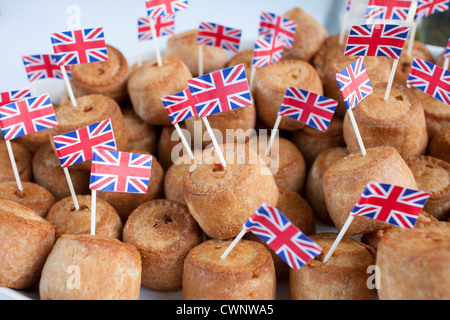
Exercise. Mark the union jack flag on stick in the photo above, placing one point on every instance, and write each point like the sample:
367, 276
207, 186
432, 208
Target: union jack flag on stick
78, 46
118, 172
12, 96
388, 9
272, 226
431, 79
220, 91
158, 8
213, 34
27, 116
383, 40
265, 52
24, 117
180, 107
426, 8
77, 146
392, 204
43, 66
164, 26
355, 85
280, 28
309, 108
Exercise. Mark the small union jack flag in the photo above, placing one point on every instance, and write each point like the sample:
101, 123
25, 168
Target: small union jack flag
395, 205
12, 96
213, 34
76, 146
157, 8
292, 245
266, 51
220, 91
120, 171
164, 26
426, 8
354, 83
282, 29
27, 116
447, 50
80, 46
431, 79
43, 66
309, 108
388, 9
180, 106
386, 40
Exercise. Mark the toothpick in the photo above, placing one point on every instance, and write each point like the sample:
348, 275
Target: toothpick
155, 40
71, 188
213, 138
13, 164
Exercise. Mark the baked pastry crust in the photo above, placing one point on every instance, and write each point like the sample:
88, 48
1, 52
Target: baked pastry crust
148, 83
164, 232
309, 37
414, 263
398, 122
312, 142
439, 146
33, 196
222, 199
23, 162
47, 172
437, 113
314, 187
244, 57
26, 241
433, 176
91, 109
270, 86
345, 181
173, 179
118, 279
67, 220
247, 273
184, 46
343, 277
229, 124
141, 135
300, 214
108, 78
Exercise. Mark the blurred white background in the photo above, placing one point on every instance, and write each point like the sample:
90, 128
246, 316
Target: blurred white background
25, 26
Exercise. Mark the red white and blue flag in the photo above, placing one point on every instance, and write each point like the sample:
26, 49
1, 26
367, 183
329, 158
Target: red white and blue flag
120, 171
164, 26
220, 91
157, 8
309, 108
426, 8
213, 34
80, 46
76, 146
43, 66
266, 51
292, 245
386, 40
388, 9
395, 205
431, 79
179, 106
27, 116
354, 83
281, 28
12, 96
